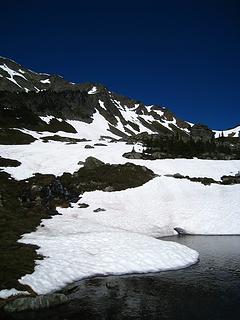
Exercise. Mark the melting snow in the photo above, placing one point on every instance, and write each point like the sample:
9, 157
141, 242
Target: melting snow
235, 132
93, 90
73, 254
47, 119
6, 293
20, 70
45, 81
93, 131
12, 73
101, 103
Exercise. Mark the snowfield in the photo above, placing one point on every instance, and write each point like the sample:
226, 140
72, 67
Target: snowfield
80, 243
76, 255
57, 157
162, 204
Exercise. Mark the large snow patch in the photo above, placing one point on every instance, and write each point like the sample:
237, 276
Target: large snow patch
72, 256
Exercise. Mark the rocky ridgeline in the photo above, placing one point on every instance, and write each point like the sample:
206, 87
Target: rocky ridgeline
26, 95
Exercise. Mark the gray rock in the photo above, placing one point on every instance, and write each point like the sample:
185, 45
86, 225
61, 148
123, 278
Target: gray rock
88, 146
35, 303
201, 132
230, 180
83, 205
133, 155
109, 189
178, 176
180, 231
91, 163
100, 144
237, 174
99, 210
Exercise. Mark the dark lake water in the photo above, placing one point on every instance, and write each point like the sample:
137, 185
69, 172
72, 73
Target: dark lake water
209, 289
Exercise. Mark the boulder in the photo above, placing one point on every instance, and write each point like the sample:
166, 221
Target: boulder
230, 179
83, 205
178, 176
99, 210
92, 163
133, 155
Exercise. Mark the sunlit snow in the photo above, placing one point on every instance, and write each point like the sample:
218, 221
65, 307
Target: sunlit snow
93, 90
235, 132
6, 293
12, 73
45, 81
74, 255
81, 243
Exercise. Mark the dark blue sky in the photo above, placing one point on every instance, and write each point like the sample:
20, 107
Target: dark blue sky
182, 54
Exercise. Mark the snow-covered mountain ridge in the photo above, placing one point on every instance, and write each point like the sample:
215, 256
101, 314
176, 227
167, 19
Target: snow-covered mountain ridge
53, 96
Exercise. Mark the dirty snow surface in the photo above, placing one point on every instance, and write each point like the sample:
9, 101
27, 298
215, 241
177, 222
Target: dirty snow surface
122, 239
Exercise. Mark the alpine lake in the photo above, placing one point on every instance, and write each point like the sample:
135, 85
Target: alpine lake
210, 289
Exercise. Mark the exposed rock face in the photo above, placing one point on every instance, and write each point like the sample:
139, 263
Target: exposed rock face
35, 303
15, 77
133, 155
201, 132
11, 136
92, 163
9, 162
231, 179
